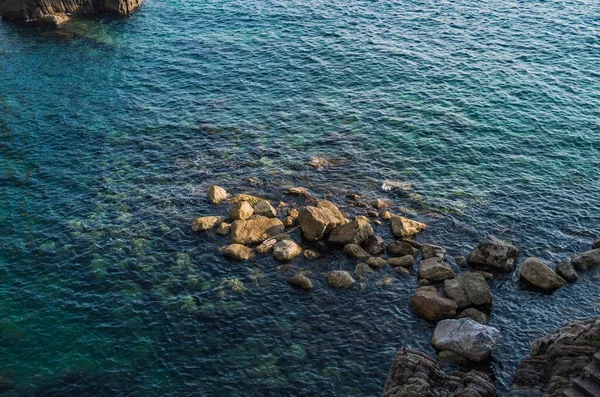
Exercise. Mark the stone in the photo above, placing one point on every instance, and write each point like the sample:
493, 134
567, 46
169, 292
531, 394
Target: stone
404, 227
476, 287
55, 12
216, 194
465, 337
382, 203
373, 214
473, 314
406, 261
454, 291
224, 228
374, 245
319, 162
387, 215
286, 250
434, 270
317, 222
297, 191
293, 213
252, 200
355, 251
310, 254
362, 269
461, 261
596, 244
497, 254
288, 222
415, 374
587, 260
301, 281
431, 305
253, 231
401, 248
238, 252
541, 275
205, 223
340, 279
401, 271
566, 271
557, 359
266, 246
486, 275
448, 356
433, 251
355, 232
376, 261
241, 211
353, 196
264, 208
387, 281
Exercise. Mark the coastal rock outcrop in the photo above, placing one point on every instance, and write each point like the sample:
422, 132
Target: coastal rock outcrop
55, 12
416, 374
497, 254
465, 337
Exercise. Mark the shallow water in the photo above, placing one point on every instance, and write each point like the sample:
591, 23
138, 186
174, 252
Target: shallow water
112, 129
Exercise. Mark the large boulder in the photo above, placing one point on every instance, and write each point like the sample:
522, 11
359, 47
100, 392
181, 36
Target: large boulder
496, 254
286, 250
340, 279
355, 232
468, 289
317, 222
205, 223
465, 337
264, 208
587, 260
404, 227
216, 194
557, 360
401, 248
415, 374
253, 231
374, 245
433, 269
431, 305
238, 252
241, 211
539, 274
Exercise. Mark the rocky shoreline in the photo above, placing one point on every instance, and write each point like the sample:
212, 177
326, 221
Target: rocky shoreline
56, 12
457, 298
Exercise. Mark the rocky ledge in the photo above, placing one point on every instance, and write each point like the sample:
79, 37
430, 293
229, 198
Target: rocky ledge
565, 362
55, 12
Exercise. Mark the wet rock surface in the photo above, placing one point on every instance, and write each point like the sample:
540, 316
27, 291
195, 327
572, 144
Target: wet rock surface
497, 254
541, 275
466, 337
431, 305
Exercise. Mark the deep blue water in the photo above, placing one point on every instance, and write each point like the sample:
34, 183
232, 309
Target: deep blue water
111, 130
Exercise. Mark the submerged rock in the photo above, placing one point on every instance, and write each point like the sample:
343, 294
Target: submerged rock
404, 227
205, 223
254, 231
253, 200
434, 270
355, 251
415, 374
264, 208
216, 194
286, 250
376, 261
362, 269
317, 222
541, 275
473, 314
297, 191
401, 248
340, 279
406, 261
301, 281
466, 337
374, 245
497, 254
354, 232
587, 260
238, 252
565, 270
431, 305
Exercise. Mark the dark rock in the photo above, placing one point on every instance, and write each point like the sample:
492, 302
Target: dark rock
473, 314
565, 270
461, 261
496, 254
431, 305
301, 281
374, 245
587, 260
596, 244
401, 248
355, 232
541, 275
433, 269
433, 251
406, 261
355, 251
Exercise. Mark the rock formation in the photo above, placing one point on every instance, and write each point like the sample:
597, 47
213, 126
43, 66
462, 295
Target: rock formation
55, 12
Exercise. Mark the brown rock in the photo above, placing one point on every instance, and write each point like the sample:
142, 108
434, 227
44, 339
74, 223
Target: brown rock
404, 227
238, 252
375, 261
433, 251
355, 232
401, 248
310, 254
541, 275
565, 270
264, 208
224, 228
317, 222
254, 231
434, 270
205, 223
216, 194
288, 222
382, 203
387, 215
355, 251
340, 279
297, 191
496, 254
406, 261
374, 245
587, 260
301, 281
432, 306
266, 246
286, 250
473, 314
241, 211
253, 200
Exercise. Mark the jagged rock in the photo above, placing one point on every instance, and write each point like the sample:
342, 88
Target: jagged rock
565, 270
238, 252
266, 246
596, 244
433, 251
241, 211
254, 231
264, 208
355, 251
216, 194
401, 248
474, 314
340, 279
354, 232
404, 227
293, 212
434, 270
406, 261
224, 228
539, 274
317, 222
556, 360
497, 254
376, 261
288, 222
374, 245
414, 374
301, 281
253, 200
587, 260
465, 337
286, 250
362, 269
431, 305
205, 223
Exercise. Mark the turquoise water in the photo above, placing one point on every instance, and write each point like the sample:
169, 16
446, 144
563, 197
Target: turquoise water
112, 129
